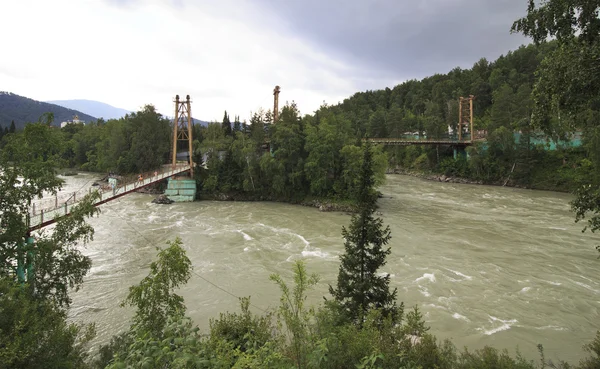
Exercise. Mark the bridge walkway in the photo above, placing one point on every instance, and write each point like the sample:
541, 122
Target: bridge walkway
47, 211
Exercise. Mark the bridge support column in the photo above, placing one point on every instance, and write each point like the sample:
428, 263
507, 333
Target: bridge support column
25, 260
181, 189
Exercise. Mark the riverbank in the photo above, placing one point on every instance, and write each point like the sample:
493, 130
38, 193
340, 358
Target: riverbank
324, 205
437, 177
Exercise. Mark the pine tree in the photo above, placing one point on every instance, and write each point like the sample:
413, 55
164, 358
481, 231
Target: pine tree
13, 128
237, 125
226, 124
359, 288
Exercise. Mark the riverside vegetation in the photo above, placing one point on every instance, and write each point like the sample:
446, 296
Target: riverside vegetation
361, 325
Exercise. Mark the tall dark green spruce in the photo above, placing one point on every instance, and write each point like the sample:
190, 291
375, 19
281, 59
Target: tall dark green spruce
226, 124
359, 287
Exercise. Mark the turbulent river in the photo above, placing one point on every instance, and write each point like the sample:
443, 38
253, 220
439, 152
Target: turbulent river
487, 265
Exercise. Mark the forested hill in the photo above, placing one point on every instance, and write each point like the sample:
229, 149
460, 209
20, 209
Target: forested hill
24, 110
514, 152
502, 89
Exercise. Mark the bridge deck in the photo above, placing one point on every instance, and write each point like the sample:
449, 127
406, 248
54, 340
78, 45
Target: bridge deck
410, 141
48, 211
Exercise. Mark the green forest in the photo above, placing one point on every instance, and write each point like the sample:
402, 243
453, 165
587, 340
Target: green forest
313, 155
548, 89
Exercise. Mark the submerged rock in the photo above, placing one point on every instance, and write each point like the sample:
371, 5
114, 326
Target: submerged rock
162, 199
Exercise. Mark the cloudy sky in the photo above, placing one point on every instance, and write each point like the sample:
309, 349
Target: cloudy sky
229, 54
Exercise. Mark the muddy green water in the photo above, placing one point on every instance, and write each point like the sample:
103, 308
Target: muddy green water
487, 265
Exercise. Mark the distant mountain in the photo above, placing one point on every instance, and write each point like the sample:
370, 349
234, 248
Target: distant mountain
102, 110
201, 122
25, 110
94, 108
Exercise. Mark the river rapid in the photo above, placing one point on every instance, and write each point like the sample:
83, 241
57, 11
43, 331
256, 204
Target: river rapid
487, 265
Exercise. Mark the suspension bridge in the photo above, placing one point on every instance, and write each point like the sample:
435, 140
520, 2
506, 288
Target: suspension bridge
450, 140
47, 211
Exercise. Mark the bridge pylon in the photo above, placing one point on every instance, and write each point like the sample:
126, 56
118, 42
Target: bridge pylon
276, 103
182, 129
465, 116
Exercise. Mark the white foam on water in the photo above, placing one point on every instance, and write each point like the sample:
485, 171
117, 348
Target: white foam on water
460, 317
246, 249
436, 306
551, 327
558, 228
553, 283
428, 276
525, 289
383, 274
246, 236
424, 291
466, 277
489, 332
587, 287
303, 239
586, 278
315, 253
506, 324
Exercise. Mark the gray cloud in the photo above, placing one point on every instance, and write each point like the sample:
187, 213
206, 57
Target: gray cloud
404, 39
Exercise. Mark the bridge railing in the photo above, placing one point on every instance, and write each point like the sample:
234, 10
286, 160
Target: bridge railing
44, 210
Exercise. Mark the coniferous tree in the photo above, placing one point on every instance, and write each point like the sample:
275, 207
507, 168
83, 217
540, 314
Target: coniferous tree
359, 288
12, 128
1, 132
226, 124
237, 125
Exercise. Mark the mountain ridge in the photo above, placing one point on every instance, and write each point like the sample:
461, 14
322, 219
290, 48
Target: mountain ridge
23, 110
92, 107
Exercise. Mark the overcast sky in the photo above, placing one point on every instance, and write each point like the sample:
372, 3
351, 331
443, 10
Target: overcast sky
229, 54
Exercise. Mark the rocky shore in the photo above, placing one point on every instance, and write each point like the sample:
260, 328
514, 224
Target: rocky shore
448, 179
322, 205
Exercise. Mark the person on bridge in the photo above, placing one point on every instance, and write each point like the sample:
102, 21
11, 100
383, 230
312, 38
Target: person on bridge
140, 178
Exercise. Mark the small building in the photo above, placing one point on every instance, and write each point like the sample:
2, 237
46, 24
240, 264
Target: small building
75, 120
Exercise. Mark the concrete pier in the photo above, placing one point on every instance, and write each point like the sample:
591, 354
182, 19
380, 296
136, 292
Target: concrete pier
181, 189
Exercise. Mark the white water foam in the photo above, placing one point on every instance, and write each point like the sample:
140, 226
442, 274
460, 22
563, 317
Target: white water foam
315, 253
554, 283
558, 228
436, 306
525, 289
586, 278
466, 277
246, 236
428, 276
460, 317
587, 287
551, 327
246, 249
424, 291
303, 239
506, 324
